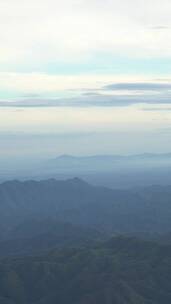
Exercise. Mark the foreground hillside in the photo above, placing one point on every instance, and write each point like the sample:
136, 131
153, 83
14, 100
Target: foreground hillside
120, 271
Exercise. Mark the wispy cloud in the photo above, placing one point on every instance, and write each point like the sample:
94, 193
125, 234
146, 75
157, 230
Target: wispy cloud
88, 91
160, 27
90, 100
139, 86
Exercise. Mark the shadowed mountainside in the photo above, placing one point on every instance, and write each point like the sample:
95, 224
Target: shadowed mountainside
75, 201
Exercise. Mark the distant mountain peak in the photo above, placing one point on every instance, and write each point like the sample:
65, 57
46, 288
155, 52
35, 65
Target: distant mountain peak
114, 156
66, 156
78, 181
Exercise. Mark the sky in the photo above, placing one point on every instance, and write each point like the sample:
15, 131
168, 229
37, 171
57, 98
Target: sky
74, 72
51, 47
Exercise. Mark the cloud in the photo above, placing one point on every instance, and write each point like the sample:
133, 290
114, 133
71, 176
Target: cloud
49, 31
45, 86
83, 90
155, 109
160, 27
139, 86
45, 43
90, 100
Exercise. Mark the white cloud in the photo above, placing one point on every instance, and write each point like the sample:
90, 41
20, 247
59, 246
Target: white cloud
70, 30
39, 84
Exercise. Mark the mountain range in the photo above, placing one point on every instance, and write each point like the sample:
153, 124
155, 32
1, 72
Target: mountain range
67, 241
114, 171
33, 211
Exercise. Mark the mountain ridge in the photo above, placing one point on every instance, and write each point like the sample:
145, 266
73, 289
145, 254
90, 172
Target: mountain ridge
78, 202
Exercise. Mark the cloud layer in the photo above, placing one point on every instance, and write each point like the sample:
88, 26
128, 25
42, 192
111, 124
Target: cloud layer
44, 39
71, 30
84, 91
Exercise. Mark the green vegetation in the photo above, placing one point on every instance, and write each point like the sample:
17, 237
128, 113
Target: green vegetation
120, 271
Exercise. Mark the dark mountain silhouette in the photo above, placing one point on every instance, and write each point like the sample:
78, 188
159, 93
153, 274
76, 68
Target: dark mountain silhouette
75, 201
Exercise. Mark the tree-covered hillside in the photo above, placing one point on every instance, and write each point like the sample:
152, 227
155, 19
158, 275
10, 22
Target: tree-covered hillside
120, 271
